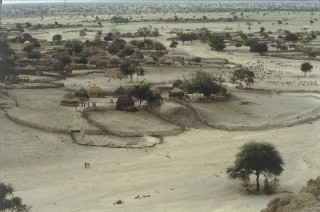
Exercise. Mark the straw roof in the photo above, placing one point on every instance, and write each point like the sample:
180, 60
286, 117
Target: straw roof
115, 58
168, 61
81, 93
177, 83
150, 60
176, 90
119, 91
95, 90
155, 90
70, 97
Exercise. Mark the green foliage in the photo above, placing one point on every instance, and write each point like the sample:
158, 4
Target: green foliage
58, 67
256, 158
129, 67
145, 31
65, 59
109, 37
57, 37
11, 204
119, 19
82, 60
243, 74
305, 67
7, 60
142, 92
128, 50
261, 48
74, 46
216, 42
113, 49
204, 82
291, 37
251, 41
82, 33
34, 55
159, 46
173, 44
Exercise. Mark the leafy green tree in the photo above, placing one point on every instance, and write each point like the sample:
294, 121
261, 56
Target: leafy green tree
291, 37
119, 19
13, 203
244, 75
159, 46
34, 55
82, 60
128, 50
128, 67
142, 92
183, 37
257, 159
173, 44
217, 42
261, 48
148, 42
305, 67
65, 59
197, 60
204, 82
57, 37
109, 37
145, 31
58, 67
82, 33
7, 60
113, 49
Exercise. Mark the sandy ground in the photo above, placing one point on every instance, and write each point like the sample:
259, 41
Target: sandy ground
184, 173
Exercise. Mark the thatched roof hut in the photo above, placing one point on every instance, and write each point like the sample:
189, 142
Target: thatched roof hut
168, 62
124, 102
156, 99
177, 83
176, 93
82, 94
150, 61
69, 100
95, 91
119, 92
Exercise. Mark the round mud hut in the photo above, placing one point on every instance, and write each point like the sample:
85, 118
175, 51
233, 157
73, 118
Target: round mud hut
82, 94
119, 92
176, 93
95, 91
124, 102
69, 100
156, 99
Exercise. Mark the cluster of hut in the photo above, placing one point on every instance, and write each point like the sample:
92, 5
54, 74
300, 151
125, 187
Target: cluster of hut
124, 101
81, 96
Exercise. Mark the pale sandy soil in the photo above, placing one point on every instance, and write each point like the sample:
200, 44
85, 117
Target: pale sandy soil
184, 173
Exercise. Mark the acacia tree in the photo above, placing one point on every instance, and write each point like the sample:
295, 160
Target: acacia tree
173, 44
57, 37
257, 159
261, 48
129, 67
11, 204
204, 82
142, 92
306, 67
82, 33
245, 75
144, 31
216, 42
